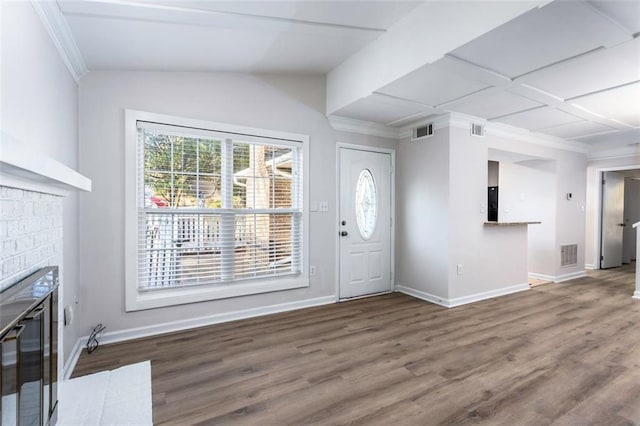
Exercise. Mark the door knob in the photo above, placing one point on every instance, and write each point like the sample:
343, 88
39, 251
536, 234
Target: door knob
344, 233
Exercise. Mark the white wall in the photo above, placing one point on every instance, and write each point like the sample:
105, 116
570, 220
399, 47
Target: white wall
569, 216
492, 258
528, 193
422, 214
441, 210
366, 140
40, 111
286, 103
631, 216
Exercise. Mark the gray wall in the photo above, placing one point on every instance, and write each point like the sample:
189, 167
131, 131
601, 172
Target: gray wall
422, 214
40, 111
285, 103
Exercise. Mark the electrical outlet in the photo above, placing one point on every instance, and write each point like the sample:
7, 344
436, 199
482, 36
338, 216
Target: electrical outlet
459, 268
312, 270
323, 206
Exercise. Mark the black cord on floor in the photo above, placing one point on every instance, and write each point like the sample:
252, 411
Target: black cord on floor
93, 342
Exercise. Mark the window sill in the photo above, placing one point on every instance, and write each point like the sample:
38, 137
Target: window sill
140, 300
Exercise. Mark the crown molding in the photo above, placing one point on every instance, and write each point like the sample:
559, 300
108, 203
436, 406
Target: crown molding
351, 125
617, 153
60, 33
463, 121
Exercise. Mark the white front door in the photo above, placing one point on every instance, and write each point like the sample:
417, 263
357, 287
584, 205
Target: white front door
365, 223
612, 219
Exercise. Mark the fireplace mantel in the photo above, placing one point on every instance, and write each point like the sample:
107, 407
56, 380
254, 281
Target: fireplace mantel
21, 168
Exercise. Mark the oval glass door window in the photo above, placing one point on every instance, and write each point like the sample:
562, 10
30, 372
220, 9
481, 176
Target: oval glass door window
366, 204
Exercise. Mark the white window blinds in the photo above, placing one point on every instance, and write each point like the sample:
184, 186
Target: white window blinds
215, 207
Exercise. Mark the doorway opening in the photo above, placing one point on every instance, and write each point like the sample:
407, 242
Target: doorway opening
619, 210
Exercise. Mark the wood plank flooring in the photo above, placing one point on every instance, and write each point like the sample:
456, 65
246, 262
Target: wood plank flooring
565, 354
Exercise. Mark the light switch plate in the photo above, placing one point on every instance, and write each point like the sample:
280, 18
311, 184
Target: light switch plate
323, 206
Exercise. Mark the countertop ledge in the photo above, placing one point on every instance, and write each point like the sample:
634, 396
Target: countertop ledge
510, 223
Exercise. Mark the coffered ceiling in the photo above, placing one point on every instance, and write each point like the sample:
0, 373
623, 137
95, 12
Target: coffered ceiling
569, 69
565, 68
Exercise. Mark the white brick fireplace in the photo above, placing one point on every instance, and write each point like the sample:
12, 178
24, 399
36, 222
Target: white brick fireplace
30, 233
32, 194
32, 188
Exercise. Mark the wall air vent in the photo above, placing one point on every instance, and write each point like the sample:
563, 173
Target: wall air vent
477, 129
422, 132
568, 255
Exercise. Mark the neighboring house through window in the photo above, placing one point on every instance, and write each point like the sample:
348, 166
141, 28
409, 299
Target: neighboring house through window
216, 210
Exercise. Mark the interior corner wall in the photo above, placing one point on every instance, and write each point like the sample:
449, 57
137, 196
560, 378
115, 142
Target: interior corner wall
422, 214
40, 111
284, 103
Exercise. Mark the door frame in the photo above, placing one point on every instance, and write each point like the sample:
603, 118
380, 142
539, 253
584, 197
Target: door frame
597, 247
366, 148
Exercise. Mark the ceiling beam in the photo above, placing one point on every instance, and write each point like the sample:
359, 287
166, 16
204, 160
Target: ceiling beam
422, 37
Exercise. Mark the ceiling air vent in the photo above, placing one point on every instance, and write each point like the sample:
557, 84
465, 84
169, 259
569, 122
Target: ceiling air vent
477, 129
422, 132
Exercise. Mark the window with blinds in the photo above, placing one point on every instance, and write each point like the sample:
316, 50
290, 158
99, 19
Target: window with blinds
214, 208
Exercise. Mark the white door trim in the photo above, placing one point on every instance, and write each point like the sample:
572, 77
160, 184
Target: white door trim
597, 243
366, 148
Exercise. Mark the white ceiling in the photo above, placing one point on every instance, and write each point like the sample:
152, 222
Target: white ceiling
246, 36
569, 69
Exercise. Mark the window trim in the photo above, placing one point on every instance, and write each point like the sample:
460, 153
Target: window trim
138, 300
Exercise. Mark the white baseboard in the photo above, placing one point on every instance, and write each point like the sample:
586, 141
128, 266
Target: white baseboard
458, 301
542, 277
423, 295
590, 266
559, 278
571, 276
488, 294
73, 359
636, 294
169, 327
